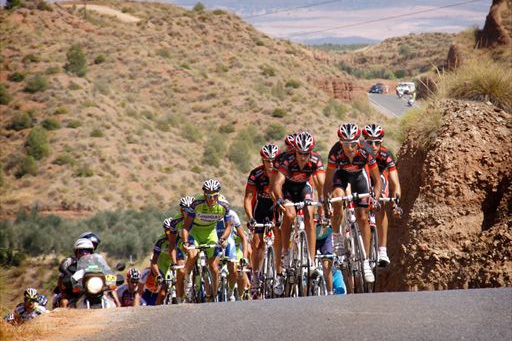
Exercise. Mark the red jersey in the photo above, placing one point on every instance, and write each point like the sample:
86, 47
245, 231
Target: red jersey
259, 181
339, 160
290, 167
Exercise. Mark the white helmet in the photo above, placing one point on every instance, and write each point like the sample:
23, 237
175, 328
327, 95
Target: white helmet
269, 151
349, 132
211, 185
83, 243
304, 142
186, 201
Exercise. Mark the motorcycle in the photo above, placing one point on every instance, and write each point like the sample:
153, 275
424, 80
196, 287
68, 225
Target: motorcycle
410, 102
93, 279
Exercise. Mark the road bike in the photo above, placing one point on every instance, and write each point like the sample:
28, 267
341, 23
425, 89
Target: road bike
298, 269
268, 274
170, 283
318, 286
202, 280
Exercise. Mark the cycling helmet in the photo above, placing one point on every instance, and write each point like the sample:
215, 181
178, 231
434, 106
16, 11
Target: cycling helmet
186, 201
92, 237
269, 151
30, 294
42, 300
211, 185
133, 275
373, 131
167, 223
289, 141
83, 243
304, 142
349, 132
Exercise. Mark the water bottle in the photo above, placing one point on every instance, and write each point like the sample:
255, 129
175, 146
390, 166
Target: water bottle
339, 283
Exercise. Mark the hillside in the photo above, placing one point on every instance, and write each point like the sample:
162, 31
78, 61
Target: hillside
99, 113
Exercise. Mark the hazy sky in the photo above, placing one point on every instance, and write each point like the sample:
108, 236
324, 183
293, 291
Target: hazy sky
299, 24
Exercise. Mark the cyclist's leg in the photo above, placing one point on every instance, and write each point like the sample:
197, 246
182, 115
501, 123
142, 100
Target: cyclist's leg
382, 217
340, 183
191, 254
180, 273
231, 254
360, 184
307, 193
288, 218
327, 249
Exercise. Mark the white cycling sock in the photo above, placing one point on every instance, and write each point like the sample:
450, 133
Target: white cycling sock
382, 249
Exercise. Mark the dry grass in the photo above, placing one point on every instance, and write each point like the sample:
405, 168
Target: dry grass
479, 80
423, 122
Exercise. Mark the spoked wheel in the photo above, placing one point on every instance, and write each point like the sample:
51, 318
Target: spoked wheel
303, 266
292, 287
223, 290
269, 275
374, 260
207, 284
357, 269
198, 292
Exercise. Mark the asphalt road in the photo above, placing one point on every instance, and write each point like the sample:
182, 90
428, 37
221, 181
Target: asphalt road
479, 314
389, 104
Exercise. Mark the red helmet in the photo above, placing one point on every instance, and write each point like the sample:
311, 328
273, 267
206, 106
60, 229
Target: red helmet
269, 151
373, 131
289, 141
304, 142
349, 132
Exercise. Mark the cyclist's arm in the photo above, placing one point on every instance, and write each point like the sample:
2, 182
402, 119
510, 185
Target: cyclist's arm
318, 181
278, 185
171, 238
227, 231
249, 195
116, 298
154, 264
394, 184
136, 300
328, 178
243, 239
375, 175
187, 224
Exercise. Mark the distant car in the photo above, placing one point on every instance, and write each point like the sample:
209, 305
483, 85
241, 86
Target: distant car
377, 89
405, 88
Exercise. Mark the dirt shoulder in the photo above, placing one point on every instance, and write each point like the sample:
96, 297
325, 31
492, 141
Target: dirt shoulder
106, 10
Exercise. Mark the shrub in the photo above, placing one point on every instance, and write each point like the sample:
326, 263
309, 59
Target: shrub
218, 12
20, 121
260, 43
30, 58
275, 132
10, 4
73, 86
36, 84
52, 70
73, 124
336, 109
422, 121
293, 83
27, 166
50, 124
16, 77
400, 73
96, 133
99, 59
44, 6
214, 150
60, 111
279, 113
2, 181
64, 159
5, 97
164, 53
226, 129
267, 71
199, 7
37, 143
77, 64
278, 91
191, 133
83, 171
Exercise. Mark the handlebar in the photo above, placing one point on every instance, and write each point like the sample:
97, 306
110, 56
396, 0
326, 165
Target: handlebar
202, 247
393, 200
351, 197
302, 204
271, 224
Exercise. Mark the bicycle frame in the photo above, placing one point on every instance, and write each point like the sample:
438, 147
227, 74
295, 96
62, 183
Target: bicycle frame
268, 275
202, 285
170, 282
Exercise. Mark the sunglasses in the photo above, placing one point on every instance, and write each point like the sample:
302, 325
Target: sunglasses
268, 160
351, 143
304, 154
376, 143
212, 195
84, 251
31, 300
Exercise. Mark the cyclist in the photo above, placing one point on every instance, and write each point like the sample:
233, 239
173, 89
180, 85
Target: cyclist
173, 228
148, 287
200, 224
292, 185
324, 246
386, 162
129, 294
29, 309
236, 251
259, 206
347, 163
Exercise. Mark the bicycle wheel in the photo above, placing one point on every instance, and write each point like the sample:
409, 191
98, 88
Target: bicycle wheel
357, 270
269, 274
210, 295
303, 265
373, 259
197, 287
223, 290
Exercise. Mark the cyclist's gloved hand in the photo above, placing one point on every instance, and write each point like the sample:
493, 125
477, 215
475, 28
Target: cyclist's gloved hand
307, 202
222, 242
252, 222
280, 202
159, 279
244, 262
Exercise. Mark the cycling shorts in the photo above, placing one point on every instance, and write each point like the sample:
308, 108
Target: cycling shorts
297, 191
325, 245
262, 210
385, 184
231, 253
149, 298
359, 183
200, 238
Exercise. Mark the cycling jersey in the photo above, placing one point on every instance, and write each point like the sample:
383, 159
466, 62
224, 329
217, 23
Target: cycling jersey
29, 315
339, 160
384, 157
149, 281
277, 161
290, 168
176, 224
233, 241
125, 296
161, 250
259, 181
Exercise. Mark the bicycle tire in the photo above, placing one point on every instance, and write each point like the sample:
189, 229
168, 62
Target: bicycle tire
303, 266
373, 259
208, 286
197, 288
269, 274
223, 290
357, 271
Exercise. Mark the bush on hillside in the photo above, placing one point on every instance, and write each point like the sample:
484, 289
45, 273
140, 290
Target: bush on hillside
226, 129
28, 165
422, 121
246, 143
20, 121
293, 83
52, 70
479, 80
2, 181
275, 132
50, 124
100, 59
267, 71
77, 64
64, 159
73, 124
10, 4
83, 171
16, 77
5, 97
36, 83
199, 7
279, 113
96, 133
336, 109
214, 150
30, 58
37, 143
